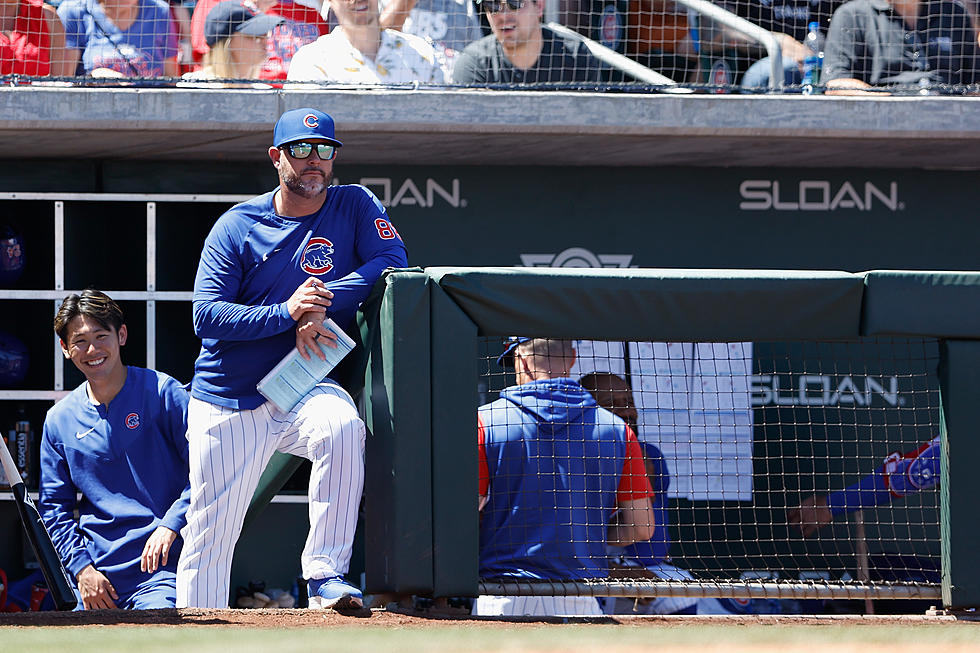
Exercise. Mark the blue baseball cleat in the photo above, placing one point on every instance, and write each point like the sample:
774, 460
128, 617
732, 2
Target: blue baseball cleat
334, 592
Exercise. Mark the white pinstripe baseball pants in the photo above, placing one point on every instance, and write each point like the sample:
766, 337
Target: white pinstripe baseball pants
229, 450
536, 606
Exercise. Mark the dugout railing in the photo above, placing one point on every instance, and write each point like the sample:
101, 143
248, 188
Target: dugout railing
423, 329
763, 37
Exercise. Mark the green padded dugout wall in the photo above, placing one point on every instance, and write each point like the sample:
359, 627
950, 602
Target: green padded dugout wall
899, 302
421, 517
422, 332
714, 305
959, 378
592, 304
945, 305
455, 486
398, 476
419, 540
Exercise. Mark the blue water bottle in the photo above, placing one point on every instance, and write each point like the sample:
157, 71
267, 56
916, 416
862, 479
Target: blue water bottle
813, 60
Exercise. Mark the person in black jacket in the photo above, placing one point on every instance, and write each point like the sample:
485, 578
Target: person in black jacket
522, 51
899, 43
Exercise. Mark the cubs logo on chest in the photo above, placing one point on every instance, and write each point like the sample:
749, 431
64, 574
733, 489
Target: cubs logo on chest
316, 256
132, 421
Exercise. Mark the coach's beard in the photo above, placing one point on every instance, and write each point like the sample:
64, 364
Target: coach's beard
305, 188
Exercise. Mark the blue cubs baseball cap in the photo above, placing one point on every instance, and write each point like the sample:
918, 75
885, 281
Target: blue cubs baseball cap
299, 124
510, 345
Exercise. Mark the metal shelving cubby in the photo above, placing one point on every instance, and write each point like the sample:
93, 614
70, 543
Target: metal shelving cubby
149, 295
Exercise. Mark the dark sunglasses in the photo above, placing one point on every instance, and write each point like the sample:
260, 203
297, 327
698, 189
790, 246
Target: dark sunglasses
494, 6
303, 150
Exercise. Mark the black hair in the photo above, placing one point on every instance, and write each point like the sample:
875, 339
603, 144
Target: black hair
91, 303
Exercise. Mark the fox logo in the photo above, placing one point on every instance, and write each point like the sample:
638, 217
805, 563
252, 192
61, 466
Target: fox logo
316, 256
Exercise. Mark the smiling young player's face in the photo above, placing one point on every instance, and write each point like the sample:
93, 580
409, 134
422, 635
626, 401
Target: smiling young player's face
94, 349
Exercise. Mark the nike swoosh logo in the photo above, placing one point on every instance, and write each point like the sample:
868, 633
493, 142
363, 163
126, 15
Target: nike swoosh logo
82, 435
265, 257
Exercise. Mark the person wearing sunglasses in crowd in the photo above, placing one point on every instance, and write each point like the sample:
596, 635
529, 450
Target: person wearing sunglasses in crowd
522, 51
360, 51
271, 270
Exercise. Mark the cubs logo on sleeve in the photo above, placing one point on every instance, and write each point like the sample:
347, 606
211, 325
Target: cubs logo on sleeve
316, 256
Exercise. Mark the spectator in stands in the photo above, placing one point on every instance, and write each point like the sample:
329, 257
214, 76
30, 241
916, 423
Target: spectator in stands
657, 36
450, 25
301, 25
522, 51
899, 475
237, 40
32, 40
199, 44
360, 51
888, 43
554, 468
787, 19
182, 21
120, 38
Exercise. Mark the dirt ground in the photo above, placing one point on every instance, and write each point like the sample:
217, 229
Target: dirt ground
271, 618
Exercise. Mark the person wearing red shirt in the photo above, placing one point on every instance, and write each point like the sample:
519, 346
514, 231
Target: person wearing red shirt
32, 40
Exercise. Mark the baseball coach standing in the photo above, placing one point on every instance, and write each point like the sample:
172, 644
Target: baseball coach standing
271, 270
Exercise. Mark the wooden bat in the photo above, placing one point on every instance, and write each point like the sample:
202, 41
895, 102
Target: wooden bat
863, 569
53, 569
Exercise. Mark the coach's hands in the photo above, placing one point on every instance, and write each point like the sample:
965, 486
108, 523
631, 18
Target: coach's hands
812, 515
157, 549
311, 296
309, 330
96, 590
